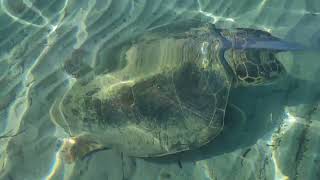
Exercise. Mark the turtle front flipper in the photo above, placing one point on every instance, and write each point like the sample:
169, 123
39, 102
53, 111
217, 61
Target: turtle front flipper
245, 38
78, 148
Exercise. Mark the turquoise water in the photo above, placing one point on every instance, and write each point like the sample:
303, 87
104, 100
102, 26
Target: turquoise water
270, 132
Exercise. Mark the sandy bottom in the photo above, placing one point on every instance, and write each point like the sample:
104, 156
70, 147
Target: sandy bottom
273, 135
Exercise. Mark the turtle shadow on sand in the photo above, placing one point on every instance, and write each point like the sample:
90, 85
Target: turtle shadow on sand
251, 114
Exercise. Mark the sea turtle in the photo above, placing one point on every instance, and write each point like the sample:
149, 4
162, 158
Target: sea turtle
170, 94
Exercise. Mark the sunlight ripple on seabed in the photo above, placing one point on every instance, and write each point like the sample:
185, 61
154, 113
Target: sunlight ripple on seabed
204, 167
214, 17
30, 5
262, 4
287, 124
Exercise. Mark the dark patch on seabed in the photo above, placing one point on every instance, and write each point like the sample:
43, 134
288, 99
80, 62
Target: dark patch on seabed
303, 138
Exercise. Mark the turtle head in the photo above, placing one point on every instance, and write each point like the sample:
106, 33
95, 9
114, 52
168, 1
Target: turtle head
254, 67
251, 55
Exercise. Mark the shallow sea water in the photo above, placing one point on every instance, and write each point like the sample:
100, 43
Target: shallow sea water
279, 138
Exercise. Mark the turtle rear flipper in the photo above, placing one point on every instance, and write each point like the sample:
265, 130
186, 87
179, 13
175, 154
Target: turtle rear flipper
78, 148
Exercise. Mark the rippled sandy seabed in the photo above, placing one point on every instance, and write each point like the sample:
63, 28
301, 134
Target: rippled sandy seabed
277, 139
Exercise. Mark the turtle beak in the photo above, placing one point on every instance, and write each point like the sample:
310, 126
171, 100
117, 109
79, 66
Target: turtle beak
273, 44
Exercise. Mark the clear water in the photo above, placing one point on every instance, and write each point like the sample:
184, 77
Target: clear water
270, 132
